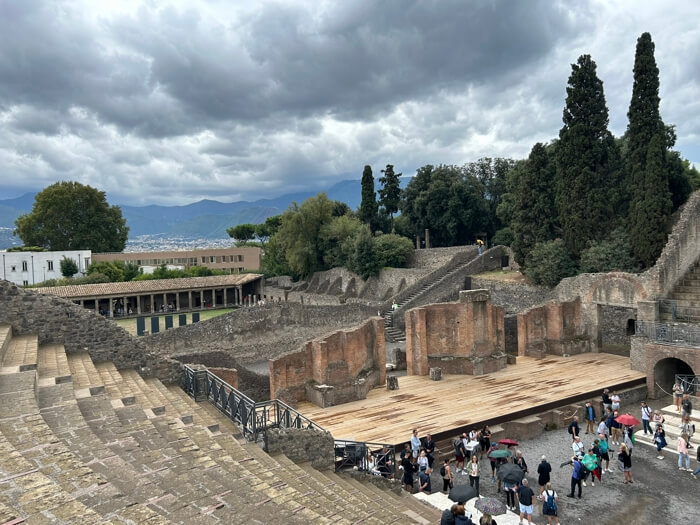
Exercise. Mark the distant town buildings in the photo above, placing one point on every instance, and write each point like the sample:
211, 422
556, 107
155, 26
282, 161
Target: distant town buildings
232, 259
30, 268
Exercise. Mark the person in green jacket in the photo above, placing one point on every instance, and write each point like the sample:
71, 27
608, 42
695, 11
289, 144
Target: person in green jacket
590, 462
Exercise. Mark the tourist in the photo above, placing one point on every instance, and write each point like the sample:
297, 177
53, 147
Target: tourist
520, 461
590, 463
604, 449
574, 428
460, 454
409, 467
606, 400
474, 470
683, 452
415, 443
486, 519
544, 470
602, 427
578, 447
589, 416
429, 446
406, 452
678, 394
625, 463
493, 461
659, 419
576, 477
686, 406
660, 441
446, 473
467, 449
697, 470
422, 461
485, 440
646, 417
549, 506
615, 428
509, 489
448, 515
628, 438
463, 516
525, 496
385, 463
615, 401
688, 428
424, 481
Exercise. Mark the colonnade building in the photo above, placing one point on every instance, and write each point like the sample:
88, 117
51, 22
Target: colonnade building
163, 295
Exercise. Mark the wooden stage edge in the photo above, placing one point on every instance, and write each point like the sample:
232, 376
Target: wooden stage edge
381, 419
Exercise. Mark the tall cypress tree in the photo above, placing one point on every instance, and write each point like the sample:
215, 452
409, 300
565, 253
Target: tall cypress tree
651, 205
534, 213
390, 192
646, 160
587, 160
368, 206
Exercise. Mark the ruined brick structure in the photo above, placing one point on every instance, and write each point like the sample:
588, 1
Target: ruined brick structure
334, 369
465, 337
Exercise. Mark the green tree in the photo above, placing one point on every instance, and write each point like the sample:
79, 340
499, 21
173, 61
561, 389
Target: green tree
588, 165
71, 216
651, 206
534, 214
392, 250
549, 262
338, 240
242, 233
365, 262
273, 259
492, 174
68, 267
611, 255
115, 271
267, 229
369, 207
390, 192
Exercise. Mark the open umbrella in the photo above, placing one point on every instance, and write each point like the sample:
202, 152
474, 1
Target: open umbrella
490, 506
462, 493
500, 453
510, 473
627, 420
511, 442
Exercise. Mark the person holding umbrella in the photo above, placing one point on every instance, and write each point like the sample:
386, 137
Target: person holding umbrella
511, 475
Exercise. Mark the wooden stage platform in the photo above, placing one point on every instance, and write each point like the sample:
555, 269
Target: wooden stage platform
528, 387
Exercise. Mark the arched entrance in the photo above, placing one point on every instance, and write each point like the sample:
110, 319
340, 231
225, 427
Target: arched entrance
665, 373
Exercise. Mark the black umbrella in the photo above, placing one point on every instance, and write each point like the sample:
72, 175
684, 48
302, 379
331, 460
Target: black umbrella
510, 473
462, 493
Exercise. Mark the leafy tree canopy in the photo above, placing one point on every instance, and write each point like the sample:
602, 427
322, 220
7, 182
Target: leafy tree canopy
71, 216
242, 232
549, 262
68, 267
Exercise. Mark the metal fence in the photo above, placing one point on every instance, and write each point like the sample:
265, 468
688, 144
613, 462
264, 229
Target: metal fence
690, 383
253, 418
670, 334
374, 458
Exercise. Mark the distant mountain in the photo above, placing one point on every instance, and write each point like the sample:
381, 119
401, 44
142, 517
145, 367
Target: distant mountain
203, 219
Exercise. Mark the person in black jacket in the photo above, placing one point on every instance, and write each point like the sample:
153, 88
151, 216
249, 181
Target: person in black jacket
429, 446
543, 474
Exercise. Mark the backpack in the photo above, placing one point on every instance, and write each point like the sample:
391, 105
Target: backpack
442, 471
571, 428
550, 503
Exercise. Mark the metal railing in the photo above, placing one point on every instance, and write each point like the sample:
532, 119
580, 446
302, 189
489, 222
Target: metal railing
669, 334
690, 383
678, 312
254, 419
373, 458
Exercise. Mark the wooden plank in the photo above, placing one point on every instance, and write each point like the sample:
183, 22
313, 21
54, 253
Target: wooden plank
388, 416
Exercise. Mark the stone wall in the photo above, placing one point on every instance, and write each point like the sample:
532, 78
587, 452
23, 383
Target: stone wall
257, 333
56, 320
513, 297
434, 258
303, 446
649, 358
466, 337
554, 328
614, 329
338, 368
228, 375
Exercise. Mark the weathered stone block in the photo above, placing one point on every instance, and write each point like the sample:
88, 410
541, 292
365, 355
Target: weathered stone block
436, 374
392, 383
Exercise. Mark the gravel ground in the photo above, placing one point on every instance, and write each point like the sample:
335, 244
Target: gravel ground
661, 494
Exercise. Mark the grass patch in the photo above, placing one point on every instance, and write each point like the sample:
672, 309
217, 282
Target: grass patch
130, 324
511, 276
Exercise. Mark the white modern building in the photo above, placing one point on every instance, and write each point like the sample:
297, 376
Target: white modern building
29, 268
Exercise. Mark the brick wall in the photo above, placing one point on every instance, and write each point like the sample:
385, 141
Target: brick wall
649, 358
334, 369
466, 337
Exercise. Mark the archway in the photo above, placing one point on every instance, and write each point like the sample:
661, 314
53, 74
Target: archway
665, 372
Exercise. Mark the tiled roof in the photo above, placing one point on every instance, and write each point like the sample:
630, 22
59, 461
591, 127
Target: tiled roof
148, 286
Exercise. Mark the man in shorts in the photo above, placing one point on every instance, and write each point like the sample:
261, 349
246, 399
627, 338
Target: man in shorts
525, 496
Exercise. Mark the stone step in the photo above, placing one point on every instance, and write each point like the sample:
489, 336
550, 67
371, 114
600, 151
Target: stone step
20, 354
53, 365
86, 378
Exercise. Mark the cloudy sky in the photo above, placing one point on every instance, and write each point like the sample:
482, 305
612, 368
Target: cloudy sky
168, 102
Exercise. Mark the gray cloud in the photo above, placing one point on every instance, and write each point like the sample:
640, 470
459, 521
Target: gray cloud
155, 101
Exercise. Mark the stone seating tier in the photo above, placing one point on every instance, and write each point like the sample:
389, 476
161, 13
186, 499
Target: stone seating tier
87, 443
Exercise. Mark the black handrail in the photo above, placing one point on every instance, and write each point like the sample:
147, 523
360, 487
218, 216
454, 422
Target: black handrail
373, 458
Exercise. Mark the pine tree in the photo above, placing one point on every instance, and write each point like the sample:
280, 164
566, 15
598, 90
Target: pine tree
534, 212
587, 161
368, 206
651, 205
390, 192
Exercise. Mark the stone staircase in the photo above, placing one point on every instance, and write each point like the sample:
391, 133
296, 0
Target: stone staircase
86, 443
672, 425
684, 300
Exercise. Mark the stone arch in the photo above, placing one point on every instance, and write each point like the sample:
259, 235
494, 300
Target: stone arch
616, 289
664, 373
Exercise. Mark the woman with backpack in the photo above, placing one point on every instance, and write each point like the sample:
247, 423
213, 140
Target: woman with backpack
549, 504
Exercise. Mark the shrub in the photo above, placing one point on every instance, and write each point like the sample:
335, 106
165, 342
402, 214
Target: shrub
549, 262
504, 237
612, 254
392, 250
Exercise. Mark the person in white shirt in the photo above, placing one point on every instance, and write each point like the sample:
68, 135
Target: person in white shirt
578, 447
646, 416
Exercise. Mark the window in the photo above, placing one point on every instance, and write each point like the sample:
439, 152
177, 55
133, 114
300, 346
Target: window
49, 266
87, 261
212, 259
240, 258
25, 283
24, 266
204, 259
13, 268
